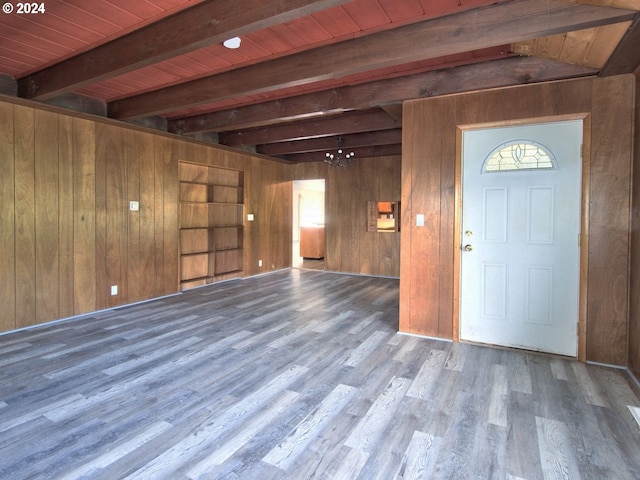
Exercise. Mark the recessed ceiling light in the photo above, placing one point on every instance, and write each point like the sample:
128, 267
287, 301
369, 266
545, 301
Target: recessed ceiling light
232, 42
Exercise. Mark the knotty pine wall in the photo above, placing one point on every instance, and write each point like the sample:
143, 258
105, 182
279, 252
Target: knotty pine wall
66, 233
429, 185
349, 247
634, 297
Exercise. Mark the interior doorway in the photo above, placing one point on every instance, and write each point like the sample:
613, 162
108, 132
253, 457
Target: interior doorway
521, 218
308, 224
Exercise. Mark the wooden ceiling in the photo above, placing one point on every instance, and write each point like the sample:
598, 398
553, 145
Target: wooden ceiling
307, 71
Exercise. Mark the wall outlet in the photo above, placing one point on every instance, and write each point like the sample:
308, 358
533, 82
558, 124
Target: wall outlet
259, 263
114, 289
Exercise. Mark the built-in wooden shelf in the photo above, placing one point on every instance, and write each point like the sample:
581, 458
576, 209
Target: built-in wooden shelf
211, 224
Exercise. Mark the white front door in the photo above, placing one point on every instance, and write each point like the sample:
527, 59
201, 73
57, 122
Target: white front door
520, 258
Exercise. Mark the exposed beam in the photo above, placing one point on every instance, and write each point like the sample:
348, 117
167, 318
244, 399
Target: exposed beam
507, 22
351, 122
8, 86
626, 56
332, 100
197, 27
493, 74
362, 152
394, 111
322, 144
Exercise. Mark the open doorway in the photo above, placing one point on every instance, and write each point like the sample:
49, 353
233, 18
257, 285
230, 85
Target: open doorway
308, 224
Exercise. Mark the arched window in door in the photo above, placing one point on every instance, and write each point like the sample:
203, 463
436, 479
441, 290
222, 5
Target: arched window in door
519, 155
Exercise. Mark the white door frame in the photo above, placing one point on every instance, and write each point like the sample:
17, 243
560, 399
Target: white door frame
584, 221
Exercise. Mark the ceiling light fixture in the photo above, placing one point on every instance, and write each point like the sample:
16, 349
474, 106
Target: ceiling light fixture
339, 159
232, 42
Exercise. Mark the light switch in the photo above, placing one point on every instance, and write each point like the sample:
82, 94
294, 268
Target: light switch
420, 220
250, 217
134, 206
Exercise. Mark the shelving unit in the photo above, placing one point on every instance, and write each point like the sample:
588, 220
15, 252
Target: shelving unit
211, 224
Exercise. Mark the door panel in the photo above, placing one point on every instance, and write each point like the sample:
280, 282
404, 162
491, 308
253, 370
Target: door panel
520, 242
494, 215
540, 212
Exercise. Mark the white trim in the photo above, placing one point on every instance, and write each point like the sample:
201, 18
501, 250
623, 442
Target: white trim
357, 274
608, 365
635, 412
426, 337
83, 315
633, 377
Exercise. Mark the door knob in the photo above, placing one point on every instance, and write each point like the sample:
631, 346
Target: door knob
468, 248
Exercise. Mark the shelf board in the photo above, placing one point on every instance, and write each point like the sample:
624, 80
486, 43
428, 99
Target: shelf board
212, 228
206, 278
220, 274
226, 185
187, 202
192, 254
211, 223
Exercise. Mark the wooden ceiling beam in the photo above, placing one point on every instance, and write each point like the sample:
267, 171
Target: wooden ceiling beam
197, 27
362, 152
323, 144
493, 74
393, 110
506, 22
626, 56
350, 122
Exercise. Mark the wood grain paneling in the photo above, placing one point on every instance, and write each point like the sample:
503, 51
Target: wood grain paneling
7, 220
102, 139
85, 273
132, 153
116, 212
46, 216
447, 210
146, 218
268, 237
161, 145
424, 190
66, 229
410, 145
175, 151
65, 216
634, 303
350, 248
366, 250
25, 226
428, 177
609, 220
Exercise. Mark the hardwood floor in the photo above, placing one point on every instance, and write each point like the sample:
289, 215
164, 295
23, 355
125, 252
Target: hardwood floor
298, 375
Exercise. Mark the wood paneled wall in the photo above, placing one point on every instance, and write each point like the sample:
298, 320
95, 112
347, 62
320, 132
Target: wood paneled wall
349, 247
634, 297
429, 187
66, 232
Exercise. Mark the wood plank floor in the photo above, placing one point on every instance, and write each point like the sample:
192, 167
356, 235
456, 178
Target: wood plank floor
298, 375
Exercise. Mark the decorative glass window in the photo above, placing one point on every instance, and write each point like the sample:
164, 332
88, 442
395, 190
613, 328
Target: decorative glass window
519, 155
